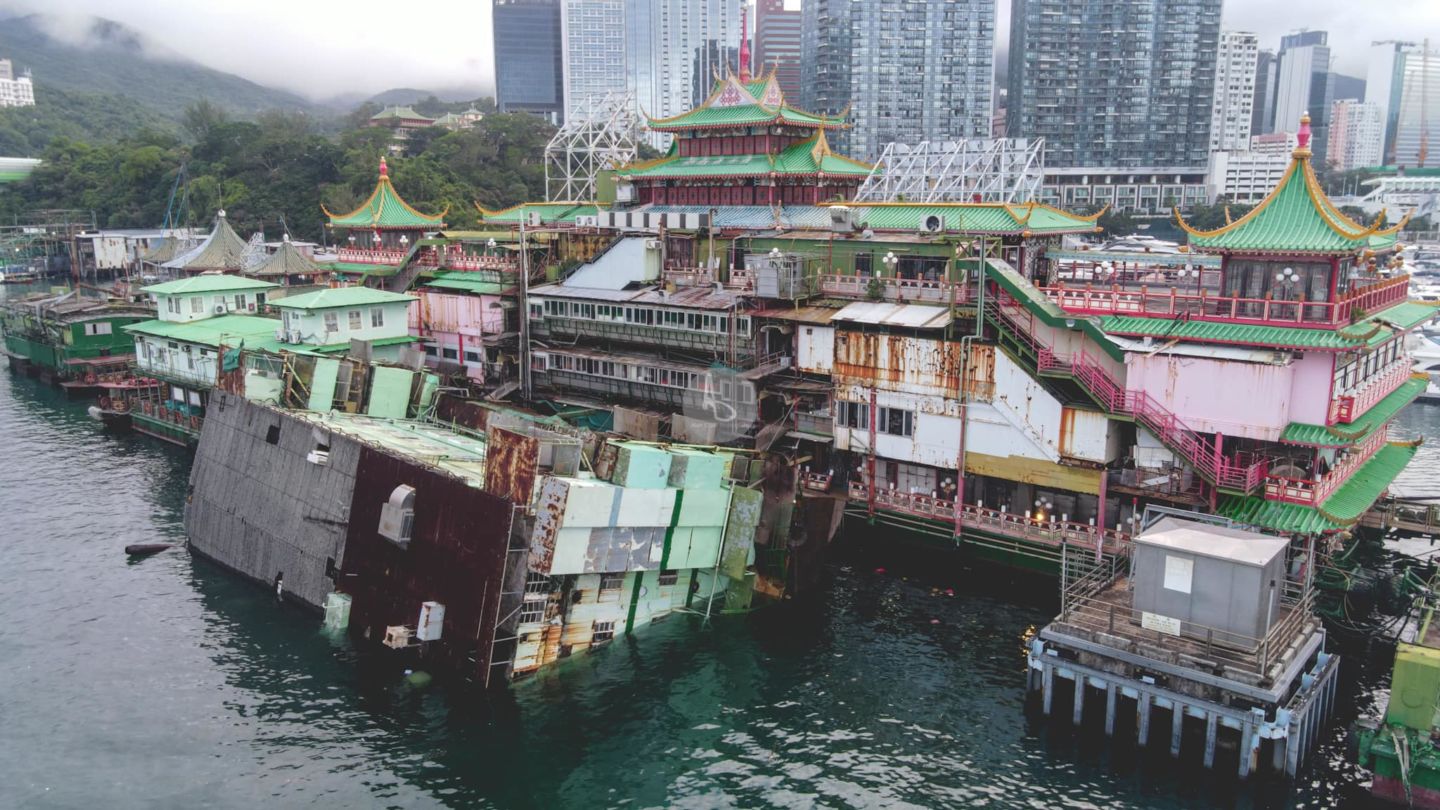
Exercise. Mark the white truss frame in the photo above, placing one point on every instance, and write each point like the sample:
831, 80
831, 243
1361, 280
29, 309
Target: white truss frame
1005, 170
600, 133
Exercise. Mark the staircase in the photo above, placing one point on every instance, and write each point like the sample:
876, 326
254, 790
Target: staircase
1200, 452
409, 271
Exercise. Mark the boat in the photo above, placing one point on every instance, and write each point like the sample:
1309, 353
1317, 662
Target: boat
19, 275
1140, 243
113, 408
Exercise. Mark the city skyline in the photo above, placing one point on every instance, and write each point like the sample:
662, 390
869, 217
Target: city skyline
278, 43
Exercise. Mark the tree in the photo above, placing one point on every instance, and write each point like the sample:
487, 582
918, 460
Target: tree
202, 117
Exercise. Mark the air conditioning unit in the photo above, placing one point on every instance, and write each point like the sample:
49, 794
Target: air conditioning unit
294, 336
533, 220
397, 516
397, 636
932, 223
587, 222
282, 336
432, 621
652, 244
221, 309
842, 219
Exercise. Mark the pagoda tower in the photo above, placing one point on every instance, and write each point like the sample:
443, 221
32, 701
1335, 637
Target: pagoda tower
384, 222
744, 145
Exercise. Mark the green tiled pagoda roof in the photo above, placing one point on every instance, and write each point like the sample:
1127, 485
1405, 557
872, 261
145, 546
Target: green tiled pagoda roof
1296, 217
811, 156
362, 269
1343, 508
1371, 331
551, 212
385, 209
989, 218
399, 112
1407, 315
733, 104
1373, 419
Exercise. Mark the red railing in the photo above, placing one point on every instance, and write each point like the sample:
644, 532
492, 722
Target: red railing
894, 289
1347, 406
1044, 530
1175, 302
1312, 491
815, 482
359, 256
1199, 452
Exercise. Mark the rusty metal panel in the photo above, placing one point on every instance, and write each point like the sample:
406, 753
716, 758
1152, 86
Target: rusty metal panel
901, 363
512, 461
549, 517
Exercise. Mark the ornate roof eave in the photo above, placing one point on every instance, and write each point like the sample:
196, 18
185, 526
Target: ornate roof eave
382, 185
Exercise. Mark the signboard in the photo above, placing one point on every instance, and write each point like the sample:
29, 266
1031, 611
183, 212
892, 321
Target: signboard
1178, 573
1160, 624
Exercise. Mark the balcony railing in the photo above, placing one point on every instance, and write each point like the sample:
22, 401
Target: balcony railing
1205, 304
895, 289
741, 280
1351, 404
819, 424
458, 261
1041, 530
358, 256
1313, 492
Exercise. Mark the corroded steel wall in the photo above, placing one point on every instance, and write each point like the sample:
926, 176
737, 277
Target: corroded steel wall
456, 557
914, 365
511, 462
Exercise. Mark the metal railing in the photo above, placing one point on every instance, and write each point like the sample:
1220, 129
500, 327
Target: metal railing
1310, 491
358, 256
895, 289
1042, 530
1174, 301
1350, 404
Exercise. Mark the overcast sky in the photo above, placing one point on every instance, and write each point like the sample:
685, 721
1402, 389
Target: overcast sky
321, 49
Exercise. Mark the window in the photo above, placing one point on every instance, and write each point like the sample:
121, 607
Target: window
536, 583
896, 422
611, 582
669, 577
602, 632
472, 357
532, 611
430, 351
285, 318
862, 264
449, 353
853, 415
354, 320
377, 317
272, 434
240, 302
332, 322
260, 298
172, 305
102, 328
197, 305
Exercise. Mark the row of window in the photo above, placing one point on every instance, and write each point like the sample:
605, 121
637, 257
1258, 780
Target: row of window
353, 318
892, 421
175, 306
662, 317
1355, 368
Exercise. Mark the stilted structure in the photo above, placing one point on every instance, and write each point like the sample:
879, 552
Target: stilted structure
1201, 625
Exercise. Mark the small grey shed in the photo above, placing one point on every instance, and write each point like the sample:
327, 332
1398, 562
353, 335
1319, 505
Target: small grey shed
1194, 573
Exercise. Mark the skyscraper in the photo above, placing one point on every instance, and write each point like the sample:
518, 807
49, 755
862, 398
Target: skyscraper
908, 70
1303, 85
666, 52
1357, 131
777, 43
1405, 85
1234, 91
1265, 74
529, 74
1121, 84
594, 52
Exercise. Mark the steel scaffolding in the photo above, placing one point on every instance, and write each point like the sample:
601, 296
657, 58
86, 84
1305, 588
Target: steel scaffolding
599, 134
999, 170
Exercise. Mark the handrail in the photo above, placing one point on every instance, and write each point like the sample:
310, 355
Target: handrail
1174, 301
1316, 490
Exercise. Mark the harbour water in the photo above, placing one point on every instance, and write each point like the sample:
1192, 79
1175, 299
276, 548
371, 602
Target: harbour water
166, 682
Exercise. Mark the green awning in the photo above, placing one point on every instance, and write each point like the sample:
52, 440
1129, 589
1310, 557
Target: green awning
1408, 315
1244, 334
1366, 484
380, 270
468, 285
1370, 421
1342, 509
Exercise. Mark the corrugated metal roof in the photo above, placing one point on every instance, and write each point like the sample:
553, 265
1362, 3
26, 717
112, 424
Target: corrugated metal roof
208, 282
342, 297
815, 315
913, 316
257, 332
1274, 515
1370, 421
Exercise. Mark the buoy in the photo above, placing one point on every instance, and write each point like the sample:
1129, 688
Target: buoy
146, 549
879, 570
934, 621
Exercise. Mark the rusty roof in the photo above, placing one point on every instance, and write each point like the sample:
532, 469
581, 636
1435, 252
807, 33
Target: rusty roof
913, 316
815, 315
